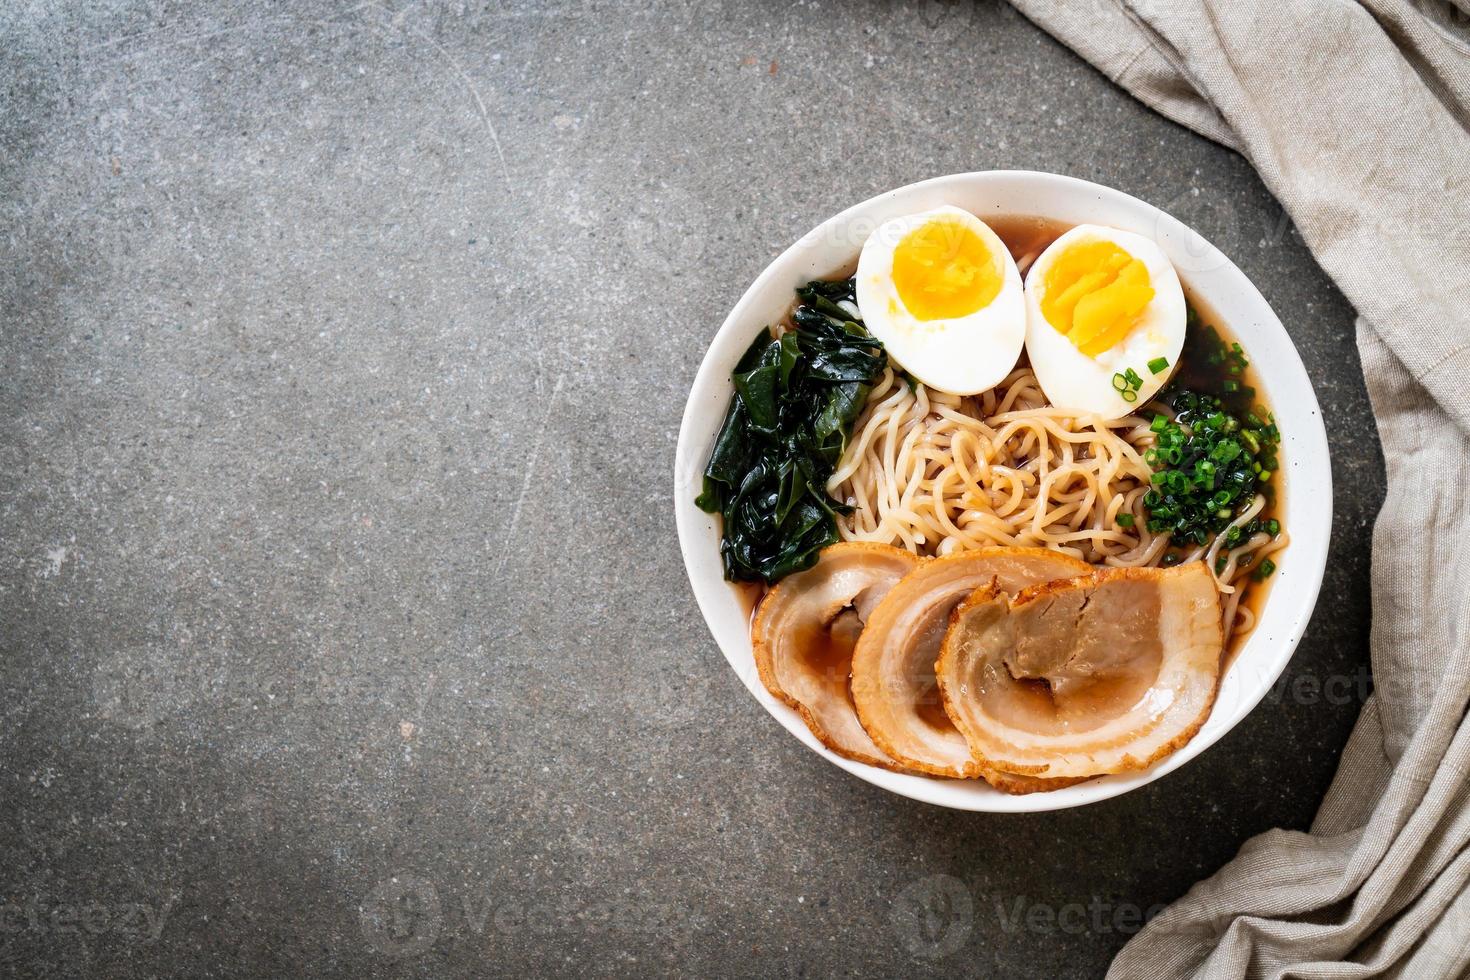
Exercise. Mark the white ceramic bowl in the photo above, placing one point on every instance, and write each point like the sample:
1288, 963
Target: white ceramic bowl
1210, 276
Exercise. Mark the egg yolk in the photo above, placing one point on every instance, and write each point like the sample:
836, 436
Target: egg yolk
943, 269
1095, 293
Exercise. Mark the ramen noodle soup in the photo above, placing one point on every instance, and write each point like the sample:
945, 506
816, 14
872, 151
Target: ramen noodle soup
1003, 499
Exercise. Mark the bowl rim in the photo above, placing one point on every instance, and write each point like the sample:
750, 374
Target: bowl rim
1250, 673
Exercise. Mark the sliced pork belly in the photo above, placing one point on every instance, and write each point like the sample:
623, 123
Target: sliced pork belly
1108, 672
804, 635
893, 683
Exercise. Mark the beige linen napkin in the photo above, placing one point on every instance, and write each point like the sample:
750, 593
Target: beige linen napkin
1355, 114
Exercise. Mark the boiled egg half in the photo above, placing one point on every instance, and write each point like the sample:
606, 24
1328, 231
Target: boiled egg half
941, 290
1105, 319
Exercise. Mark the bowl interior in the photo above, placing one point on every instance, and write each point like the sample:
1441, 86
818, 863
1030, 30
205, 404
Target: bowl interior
1305, 499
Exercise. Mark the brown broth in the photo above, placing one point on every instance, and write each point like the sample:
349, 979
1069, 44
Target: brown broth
749, 595
826, 651
1026, 235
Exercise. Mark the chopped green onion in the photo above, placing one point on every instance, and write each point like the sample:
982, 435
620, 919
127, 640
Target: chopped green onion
1157, 365
1120, 383
1206, 465
1264, 570
1225, 451
1129, 396
1273, 527
1231, 386
1125, 520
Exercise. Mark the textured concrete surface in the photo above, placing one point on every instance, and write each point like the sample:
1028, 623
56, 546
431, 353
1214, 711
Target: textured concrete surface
344, 627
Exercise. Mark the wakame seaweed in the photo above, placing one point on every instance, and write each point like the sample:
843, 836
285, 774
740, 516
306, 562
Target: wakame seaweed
795, 401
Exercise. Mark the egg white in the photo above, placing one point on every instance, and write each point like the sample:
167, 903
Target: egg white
1076, 382
963, 355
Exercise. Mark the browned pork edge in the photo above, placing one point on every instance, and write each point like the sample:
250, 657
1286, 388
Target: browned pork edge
766, 668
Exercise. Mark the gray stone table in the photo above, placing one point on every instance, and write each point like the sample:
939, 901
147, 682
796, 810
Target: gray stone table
343, 629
